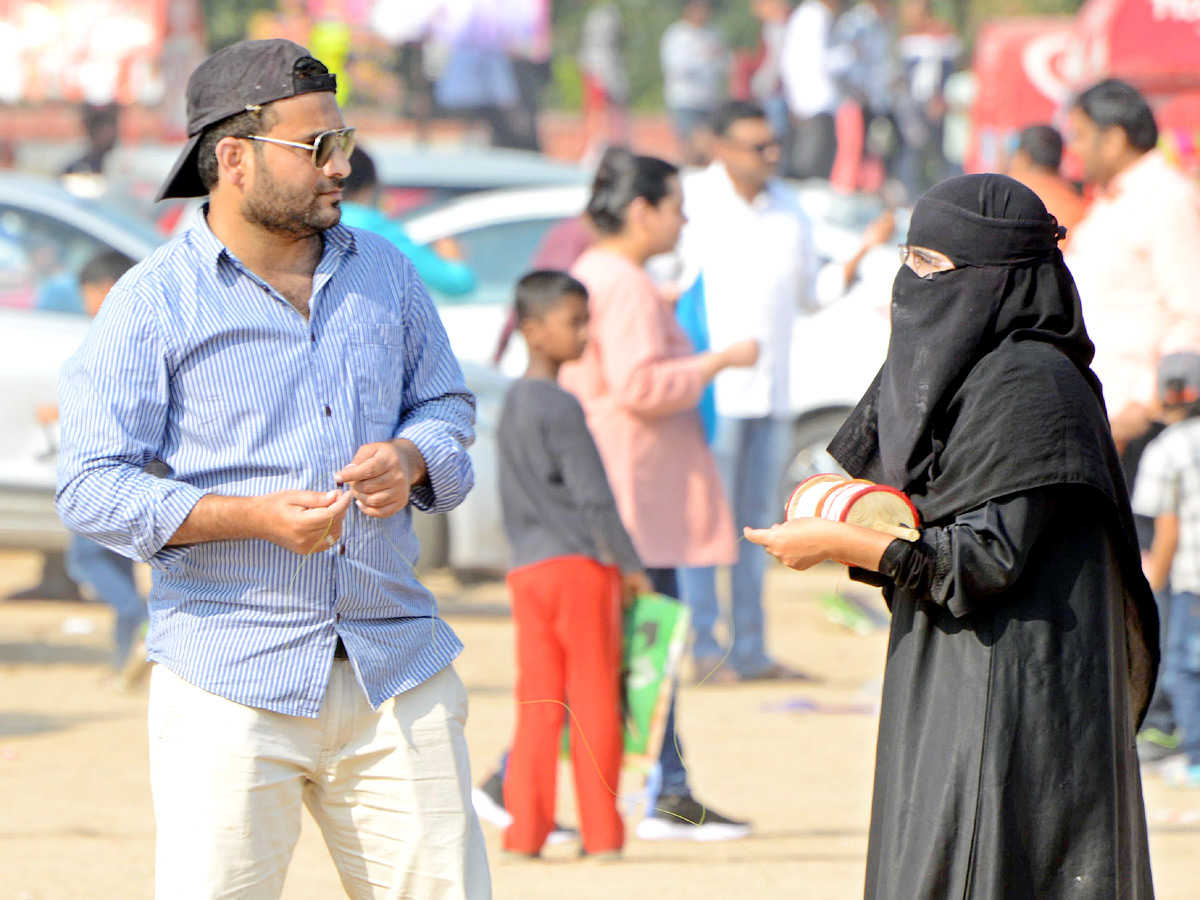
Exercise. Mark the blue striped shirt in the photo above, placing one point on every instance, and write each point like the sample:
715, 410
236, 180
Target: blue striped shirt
197, 362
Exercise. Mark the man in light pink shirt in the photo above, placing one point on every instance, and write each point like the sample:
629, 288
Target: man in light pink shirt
1136, 253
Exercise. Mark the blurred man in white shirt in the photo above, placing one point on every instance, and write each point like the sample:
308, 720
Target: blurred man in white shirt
751, 243
1135, 255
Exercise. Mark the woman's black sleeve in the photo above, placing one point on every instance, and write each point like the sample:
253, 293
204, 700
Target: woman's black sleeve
978, 556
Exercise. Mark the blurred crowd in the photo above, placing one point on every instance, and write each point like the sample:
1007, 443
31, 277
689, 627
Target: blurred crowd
855, 91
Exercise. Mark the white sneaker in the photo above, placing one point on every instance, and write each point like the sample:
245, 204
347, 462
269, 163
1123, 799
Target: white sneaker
489, 810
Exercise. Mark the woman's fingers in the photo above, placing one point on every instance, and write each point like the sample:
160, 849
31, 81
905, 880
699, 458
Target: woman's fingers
761, 536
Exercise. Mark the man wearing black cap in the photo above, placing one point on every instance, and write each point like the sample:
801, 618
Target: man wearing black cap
294, 376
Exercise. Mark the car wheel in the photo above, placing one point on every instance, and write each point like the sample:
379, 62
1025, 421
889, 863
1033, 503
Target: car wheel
434, 534
808, 456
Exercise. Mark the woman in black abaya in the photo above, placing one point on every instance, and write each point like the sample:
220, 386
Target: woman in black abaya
1023, 641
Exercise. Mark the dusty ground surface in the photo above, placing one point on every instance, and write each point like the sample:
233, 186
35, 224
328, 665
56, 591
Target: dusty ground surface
76, 820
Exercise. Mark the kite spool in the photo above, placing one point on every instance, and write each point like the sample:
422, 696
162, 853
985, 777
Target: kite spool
856, 502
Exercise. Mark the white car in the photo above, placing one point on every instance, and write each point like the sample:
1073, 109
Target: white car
46, 236
835, 352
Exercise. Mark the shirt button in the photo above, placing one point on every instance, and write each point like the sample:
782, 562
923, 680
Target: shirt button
328, 411
337, 617
312, 336
342, 550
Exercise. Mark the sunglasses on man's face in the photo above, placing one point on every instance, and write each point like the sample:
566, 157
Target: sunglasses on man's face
762, 148
322, 146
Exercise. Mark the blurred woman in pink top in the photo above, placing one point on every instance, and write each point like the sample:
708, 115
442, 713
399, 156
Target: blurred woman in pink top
640, 380
639, 383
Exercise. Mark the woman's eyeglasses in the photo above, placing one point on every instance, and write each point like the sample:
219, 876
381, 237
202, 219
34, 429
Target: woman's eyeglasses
322, 146
923, 261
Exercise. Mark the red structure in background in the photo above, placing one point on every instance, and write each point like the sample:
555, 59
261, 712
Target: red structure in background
1028, 69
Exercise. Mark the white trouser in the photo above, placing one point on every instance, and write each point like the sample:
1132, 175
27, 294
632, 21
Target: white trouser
390, 790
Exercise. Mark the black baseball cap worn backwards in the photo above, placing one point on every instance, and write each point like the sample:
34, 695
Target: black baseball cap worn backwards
238, 78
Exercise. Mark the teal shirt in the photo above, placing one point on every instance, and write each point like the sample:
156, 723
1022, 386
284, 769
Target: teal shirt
445, 275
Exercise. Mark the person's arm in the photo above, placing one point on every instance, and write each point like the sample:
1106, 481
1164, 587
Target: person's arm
450, 276
1158, 559
633, 341
438, 413
961, 566
114, 396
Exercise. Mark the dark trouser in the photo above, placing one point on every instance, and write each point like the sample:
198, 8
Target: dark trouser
110, 575
673, 774
1183, 669
1161, 714
813, 147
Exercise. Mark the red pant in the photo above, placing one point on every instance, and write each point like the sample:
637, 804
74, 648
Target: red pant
567, 612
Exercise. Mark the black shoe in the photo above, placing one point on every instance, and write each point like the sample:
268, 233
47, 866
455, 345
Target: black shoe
488, 800
683, 818
54, 584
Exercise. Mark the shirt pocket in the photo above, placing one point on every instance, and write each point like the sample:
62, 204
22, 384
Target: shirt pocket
377, 370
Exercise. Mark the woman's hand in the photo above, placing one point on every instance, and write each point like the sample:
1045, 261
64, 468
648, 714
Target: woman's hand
802, 543
799, 544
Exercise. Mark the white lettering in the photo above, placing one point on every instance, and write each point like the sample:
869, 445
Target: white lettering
1176, 10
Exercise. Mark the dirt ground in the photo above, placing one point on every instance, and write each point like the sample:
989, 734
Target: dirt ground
76, 823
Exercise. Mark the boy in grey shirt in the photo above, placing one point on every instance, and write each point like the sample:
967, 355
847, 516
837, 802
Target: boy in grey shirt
573, 563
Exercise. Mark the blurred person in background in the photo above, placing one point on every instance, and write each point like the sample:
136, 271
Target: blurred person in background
639, 382
529, 49
694, 62
105, 575
605, 84
478, 79
1036, 163
868, 30
441, 267
1168, 491
766, 84
1135, 255
750, 243
101, 126
929, 51
812, 64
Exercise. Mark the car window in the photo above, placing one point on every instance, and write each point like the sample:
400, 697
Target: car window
498, 254
40, 260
